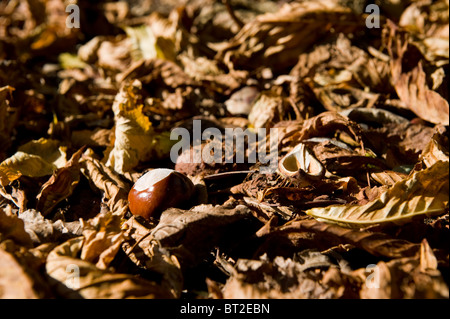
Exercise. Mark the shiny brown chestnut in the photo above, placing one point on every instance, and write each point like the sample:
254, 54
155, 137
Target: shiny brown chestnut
158, 190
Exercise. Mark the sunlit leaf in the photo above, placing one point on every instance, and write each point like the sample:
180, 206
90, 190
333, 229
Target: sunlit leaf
60, 185
135, 140
424, 193
34, 159
79, 278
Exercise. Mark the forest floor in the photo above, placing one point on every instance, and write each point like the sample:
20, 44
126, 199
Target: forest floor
340, 186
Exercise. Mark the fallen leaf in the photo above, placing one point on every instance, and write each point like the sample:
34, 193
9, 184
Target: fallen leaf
15, 283
376, 243
403, 278
12, 227
146, 252
424, 193
60, 186
76, 278
134, 137
190, 235
107, 181
34, 159
277, 39
103, 239
42, 230
427, 104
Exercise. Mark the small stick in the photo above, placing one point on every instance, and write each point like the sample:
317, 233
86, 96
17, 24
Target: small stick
232, 14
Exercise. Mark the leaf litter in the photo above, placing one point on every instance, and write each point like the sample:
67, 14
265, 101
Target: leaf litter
359, 198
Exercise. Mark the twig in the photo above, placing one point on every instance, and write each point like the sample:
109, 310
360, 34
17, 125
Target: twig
232, 14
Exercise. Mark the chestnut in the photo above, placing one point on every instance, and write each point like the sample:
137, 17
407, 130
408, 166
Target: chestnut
158, 190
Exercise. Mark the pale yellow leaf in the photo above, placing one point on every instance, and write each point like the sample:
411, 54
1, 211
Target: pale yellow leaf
34, 159
424, 193
134, 138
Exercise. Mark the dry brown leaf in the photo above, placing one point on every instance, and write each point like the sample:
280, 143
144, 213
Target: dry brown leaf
156, 71
134, 137
424, 193
267, 109
412, 87
15, 283
91, 138
12, 227
323, 125
436, 150
42, 230
21, 275
376, 243
146, 252
60, 186
78, 278
427, 21
115, 54
34, 159
191, 235
108, 182
388, 177
426, 103
276, 40
285, 278
373, 116
404, 278
103, 239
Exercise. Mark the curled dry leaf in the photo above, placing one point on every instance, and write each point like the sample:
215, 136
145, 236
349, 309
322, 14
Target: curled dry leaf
436, 150
12, 227
372, 115
76, 278
15, 283
60, 186
426, 103
338, 157
191, 235
34, 159
399, 144
424, 193
22, 275
428, 23
42, 230
115, 54
340, 74
146, 252
376, 243
103, 238
407, 278
298, 277
277, 39
412, 87
108, 182
323, 125
266, 110
134, 138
